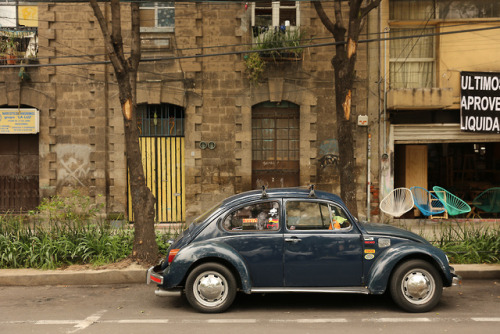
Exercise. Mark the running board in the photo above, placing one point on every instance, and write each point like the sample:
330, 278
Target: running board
351, 289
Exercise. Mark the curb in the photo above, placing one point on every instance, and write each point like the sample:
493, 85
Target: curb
35, 277
478, 271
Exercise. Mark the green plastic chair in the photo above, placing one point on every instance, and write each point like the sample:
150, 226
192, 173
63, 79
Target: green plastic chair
454, 205
488, 200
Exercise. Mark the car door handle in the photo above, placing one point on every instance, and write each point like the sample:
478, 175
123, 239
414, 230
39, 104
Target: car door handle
293, 239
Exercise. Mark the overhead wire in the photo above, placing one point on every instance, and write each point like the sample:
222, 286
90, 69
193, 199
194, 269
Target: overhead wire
262, 50
69, 55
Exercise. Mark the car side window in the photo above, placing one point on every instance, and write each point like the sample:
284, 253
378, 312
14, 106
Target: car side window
302, 215
339, 218
307, 215
256, 217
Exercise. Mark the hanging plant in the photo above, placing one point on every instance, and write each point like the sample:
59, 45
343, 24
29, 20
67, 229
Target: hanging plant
254, 67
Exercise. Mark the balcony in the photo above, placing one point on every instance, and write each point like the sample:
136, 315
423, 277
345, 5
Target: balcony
280, 43
18, 46
421, 98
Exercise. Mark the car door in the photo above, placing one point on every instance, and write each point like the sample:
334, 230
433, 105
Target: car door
254, 231
322, 247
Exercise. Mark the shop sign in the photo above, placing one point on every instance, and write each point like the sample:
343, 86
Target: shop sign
19, 121
480, 102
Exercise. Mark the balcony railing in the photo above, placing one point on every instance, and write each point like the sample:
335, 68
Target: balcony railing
283, 42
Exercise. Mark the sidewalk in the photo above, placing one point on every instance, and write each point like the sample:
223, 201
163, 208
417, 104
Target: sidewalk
137, 274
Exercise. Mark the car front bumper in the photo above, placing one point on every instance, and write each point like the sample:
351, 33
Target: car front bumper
457, 279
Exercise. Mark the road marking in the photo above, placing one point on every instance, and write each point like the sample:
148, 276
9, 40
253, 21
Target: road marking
88, 321
486, 319
78, 325
136, 321
397, 320
232, 321
57, 322
309, 321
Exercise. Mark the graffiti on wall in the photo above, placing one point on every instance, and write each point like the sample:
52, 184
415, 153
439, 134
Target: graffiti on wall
73, 165
328, 153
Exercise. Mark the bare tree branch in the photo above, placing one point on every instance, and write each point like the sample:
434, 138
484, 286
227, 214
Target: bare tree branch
135, 56
371, 5
337, 6
323, 17
116, 29
106, 34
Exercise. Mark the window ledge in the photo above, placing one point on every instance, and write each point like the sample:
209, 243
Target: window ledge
157, 29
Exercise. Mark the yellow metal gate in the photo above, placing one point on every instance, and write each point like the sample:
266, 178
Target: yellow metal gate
163, 162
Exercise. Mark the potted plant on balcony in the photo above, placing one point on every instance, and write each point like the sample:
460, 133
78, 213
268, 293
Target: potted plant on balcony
10, 49
276, 44
280, 43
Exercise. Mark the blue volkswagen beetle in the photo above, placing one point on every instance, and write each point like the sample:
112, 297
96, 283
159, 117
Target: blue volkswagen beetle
298, 240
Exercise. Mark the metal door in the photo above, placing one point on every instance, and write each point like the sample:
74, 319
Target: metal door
19, 175
162, 148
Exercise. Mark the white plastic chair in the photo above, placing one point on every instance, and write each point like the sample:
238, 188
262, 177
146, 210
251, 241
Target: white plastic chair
397, 202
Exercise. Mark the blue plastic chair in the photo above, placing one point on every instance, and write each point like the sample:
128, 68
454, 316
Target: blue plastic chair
453, 205
426, 202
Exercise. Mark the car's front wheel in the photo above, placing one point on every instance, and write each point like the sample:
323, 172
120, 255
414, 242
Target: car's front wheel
416, 286
210, 288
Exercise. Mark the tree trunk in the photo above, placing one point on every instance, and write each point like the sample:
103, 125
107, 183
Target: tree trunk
344, 63
145, 249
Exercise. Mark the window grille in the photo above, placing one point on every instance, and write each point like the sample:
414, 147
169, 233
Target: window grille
160, 120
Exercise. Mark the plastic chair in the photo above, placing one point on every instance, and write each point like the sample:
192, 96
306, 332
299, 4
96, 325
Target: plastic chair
453, 205
397, 202
426, 202
488, 200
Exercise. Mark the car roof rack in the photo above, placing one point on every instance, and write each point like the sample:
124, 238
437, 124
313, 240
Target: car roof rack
264, 194
311, 191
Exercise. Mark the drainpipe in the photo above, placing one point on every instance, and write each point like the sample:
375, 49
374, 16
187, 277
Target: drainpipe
385, 156
106, 126
368, 180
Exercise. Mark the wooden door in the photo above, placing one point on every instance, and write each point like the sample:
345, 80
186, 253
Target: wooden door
275, 146
416, 166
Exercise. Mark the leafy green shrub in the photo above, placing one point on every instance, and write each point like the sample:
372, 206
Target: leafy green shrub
58, 245
64, 231
469, 243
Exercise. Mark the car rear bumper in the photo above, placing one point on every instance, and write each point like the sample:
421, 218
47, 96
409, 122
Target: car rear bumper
154, 275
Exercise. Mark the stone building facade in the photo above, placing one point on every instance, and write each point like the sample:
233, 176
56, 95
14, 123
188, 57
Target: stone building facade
199, 69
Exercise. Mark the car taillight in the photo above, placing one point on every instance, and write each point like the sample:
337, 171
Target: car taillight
172, 254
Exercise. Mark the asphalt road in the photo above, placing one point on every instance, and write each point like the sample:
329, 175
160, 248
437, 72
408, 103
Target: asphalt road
472, 308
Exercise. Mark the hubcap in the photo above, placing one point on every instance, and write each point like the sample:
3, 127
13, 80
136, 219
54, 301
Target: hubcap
418, 286
210, 289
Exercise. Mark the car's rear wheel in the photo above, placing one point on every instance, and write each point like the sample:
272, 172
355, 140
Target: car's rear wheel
210, 288
416, 286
